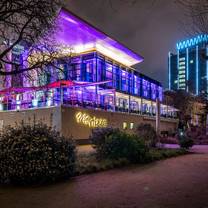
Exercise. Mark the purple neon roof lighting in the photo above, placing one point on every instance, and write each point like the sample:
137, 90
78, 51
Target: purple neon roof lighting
79, 36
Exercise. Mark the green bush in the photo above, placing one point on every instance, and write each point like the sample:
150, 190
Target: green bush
148, 133
98, 139
35, 154
186, 142
114, 144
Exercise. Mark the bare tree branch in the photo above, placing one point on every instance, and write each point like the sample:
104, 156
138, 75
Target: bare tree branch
26, 28
197, 12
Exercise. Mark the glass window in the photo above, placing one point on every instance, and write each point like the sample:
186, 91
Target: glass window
130, 82
153, 91
109, 73
100, 69
145, 88
124, 80
131, 125
89, 64
118, 78
136, 85
125, 125
160, 91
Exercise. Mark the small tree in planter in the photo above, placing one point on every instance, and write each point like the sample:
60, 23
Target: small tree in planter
35, 154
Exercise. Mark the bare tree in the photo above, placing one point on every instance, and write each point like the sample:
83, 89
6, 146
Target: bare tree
26, 28
197, 12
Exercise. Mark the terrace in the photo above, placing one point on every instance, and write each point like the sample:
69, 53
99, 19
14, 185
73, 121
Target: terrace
79, 94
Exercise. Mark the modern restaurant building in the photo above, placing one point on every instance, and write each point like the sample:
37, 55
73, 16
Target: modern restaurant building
97, 86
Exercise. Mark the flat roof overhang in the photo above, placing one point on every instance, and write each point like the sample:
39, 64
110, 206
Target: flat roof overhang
78, 36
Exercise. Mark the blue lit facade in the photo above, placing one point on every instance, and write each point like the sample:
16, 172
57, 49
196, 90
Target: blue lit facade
188, 69
132, 90
94, 67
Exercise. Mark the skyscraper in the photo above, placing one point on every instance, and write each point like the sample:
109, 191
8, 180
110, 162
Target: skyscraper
188, 69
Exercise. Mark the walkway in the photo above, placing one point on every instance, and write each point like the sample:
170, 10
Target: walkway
178, 182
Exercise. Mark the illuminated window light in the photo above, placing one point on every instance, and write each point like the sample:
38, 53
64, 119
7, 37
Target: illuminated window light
125, 125
131, 125
18, 102
35, 102
49, 102
1, 107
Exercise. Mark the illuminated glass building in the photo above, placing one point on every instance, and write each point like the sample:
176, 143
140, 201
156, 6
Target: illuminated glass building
188, 69
98, 72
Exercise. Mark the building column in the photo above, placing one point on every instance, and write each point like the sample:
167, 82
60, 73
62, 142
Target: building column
169, 71
178, 67
158, 116
129, 102
187, 70
61, 95
114, 98
197, 70
207, 68
151, 108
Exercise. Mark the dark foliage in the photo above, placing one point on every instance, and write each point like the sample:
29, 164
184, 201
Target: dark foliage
35, 154
115, 144
98, 139
186, 142
148, 133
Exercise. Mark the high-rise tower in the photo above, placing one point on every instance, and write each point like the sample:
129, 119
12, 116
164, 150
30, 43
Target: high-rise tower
188, 69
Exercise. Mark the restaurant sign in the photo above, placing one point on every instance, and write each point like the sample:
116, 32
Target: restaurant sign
90, 121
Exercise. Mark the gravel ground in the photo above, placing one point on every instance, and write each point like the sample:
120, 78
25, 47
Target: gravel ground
180, 182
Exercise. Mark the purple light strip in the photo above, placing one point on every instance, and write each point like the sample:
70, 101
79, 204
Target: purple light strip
74, 32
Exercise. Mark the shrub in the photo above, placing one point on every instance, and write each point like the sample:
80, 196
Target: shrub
35, 154
98, 139
186, 142
116, 144
148, 133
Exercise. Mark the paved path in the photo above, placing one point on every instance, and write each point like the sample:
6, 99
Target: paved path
180, 182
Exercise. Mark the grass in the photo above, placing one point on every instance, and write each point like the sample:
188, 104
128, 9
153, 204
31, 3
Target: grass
88, 163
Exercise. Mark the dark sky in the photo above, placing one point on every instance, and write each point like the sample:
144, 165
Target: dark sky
150, 29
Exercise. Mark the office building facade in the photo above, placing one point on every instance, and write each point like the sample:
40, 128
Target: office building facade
188, 68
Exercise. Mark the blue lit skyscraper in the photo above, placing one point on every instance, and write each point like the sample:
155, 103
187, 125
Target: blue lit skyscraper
188, 68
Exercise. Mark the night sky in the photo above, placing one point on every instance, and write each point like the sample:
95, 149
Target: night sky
149, 28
